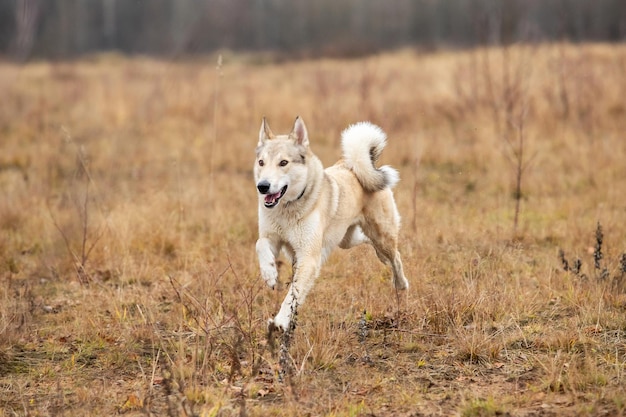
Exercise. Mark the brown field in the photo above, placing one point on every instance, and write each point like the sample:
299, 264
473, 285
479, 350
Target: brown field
128, 276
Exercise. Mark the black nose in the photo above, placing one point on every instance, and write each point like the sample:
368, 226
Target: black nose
263, 187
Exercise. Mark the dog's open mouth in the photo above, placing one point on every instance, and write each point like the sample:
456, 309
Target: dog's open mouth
271, 200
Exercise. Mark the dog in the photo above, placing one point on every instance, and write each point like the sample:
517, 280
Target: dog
306, 211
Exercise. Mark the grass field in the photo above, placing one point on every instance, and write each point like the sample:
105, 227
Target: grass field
128, 276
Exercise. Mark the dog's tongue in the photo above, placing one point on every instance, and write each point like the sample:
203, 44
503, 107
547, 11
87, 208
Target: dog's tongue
270, 198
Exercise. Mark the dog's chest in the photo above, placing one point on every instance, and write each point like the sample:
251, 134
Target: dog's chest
297, 232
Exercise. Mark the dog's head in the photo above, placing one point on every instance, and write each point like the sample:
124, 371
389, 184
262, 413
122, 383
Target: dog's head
280, 170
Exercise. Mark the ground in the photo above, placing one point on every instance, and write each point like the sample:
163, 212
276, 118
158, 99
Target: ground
128, 278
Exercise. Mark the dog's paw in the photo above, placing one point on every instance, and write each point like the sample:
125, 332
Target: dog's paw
272, 328
278, 323
401, 284
269, 273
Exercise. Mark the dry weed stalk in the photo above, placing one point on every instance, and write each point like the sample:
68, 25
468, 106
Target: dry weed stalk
509, 101
88, 240
416, 169
286, 365
362, 334
365, 92
500, 88
226, 348
18, 306
601, 271
213, 139
578, 89
519, 163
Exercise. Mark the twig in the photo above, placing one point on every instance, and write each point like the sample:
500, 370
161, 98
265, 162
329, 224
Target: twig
213, 138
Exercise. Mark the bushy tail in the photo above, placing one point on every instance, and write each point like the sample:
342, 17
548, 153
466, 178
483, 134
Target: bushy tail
362, 144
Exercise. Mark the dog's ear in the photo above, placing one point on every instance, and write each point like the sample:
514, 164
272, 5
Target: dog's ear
265, 133
299, 133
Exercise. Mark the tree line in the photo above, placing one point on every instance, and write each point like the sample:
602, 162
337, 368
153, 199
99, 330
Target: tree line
68, 28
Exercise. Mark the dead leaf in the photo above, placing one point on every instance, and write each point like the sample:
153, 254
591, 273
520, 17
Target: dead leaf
591, 330
133, 402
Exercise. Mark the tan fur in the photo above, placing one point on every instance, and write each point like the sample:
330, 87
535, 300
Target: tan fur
307, 211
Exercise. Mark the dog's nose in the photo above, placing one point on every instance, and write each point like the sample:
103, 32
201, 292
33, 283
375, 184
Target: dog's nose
263, 187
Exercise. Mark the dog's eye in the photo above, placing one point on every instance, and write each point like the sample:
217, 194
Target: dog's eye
261, 162
283, 163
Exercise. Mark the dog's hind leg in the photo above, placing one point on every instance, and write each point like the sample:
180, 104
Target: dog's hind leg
382, 225
390, 256
399, 280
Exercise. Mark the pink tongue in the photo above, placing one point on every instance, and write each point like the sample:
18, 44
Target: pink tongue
271, 197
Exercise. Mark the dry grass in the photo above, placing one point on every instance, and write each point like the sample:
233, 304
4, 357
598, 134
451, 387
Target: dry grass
129, 281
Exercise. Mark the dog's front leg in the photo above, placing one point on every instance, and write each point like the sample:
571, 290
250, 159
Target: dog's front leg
307, 270
267, 251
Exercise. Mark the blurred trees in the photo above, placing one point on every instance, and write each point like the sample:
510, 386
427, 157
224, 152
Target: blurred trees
65, 28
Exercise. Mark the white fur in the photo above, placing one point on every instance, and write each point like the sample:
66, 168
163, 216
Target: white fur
362, 143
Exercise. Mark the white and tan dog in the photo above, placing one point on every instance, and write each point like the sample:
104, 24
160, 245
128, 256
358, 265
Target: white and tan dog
307, 210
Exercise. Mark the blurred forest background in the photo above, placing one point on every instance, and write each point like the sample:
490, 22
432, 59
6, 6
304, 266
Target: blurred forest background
58, 29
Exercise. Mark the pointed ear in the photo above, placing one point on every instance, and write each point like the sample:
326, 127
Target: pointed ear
265, 133
299, 133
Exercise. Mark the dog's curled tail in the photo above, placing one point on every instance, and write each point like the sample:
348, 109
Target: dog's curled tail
362, 144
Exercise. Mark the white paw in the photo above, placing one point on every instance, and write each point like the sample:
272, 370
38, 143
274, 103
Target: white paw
280, 322
401, 284
269, 273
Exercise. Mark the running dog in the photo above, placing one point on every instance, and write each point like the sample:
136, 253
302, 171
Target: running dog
307, 210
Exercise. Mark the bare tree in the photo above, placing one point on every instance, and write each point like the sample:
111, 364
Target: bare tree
109, 27
26, 16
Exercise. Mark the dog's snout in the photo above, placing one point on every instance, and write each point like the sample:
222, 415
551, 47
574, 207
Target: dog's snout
263, 187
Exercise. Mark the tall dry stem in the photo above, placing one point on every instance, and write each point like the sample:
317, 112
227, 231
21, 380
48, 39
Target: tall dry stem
88, 239
213, 139
509, 103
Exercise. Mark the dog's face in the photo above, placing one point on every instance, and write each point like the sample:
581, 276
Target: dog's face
280, 170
